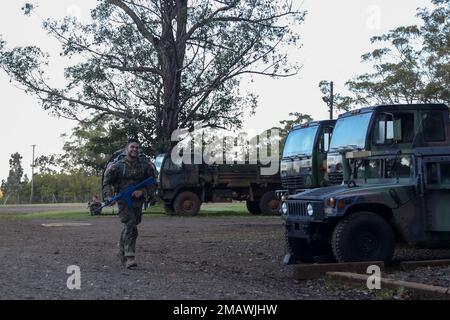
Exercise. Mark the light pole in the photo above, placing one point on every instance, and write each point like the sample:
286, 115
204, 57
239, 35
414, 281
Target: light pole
32, 176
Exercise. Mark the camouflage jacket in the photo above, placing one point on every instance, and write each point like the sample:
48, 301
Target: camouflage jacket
123, 173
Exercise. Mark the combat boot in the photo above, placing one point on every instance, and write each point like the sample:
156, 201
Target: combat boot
131, 263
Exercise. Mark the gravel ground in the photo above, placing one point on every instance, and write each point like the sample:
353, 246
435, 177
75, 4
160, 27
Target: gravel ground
436, 276
179, 258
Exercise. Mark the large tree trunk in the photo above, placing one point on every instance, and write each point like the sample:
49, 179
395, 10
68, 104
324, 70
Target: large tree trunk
172, 50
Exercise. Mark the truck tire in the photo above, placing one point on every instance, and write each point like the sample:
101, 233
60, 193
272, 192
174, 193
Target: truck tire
299, 249
253, 207
269, 203
187, 203
363, 236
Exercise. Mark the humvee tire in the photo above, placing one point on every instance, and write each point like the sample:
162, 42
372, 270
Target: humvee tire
253, 207
363, 236
269, 203
187, 203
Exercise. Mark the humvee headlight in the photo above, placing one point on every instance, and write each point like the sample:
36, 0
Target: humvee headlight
331, 202
284, 208
310, 209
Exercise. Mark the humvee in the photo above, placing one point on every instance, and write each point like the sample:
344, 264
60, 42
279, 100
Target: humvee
184, 187
303, 163
395, 163
384, 128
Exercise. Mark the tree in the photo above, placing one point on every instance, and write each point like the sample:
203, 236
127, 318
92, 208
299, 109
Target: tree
13, 184
299, 118
160, 64
411, 65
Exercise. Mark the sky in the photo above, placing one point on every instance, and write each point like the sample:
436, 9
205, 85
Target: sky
334, 36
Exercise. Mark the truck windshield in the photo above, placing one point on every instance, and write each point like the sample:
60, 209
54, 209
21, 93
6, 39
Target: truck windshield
350, 132
300, 142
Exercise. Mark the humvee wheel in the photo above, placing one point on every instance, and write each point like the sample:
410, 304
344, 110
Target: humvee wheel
253, 207
269, 203
363, 236
187, 203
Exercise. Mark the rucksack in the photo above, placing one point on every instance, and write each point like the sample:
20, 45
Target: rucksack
119, 155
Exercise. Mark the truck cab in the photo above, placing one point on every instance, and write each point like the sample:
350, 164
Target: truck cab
386, 129
303, 163
395, 192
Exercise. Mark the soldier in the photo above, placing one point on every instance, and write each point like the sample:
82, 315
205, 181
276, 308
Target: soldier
94, 206
127, 171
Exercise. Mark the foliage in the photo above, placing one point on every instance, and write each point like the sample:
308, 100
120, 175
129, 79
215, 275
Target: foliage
16, 178
340, 102
411, 65
51, 184
299, 118
157, 65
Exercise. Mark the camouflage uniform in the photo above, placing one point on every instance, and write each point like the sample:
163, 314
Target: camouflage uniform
118, 176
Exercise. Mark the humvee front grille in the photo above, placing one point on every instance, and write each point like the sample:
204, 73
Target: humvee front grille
335, 178
294, 182
297, 209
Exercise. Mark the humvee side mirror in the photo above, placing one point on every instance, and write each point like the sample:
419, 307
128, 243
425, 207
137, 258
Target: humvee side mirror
389, 130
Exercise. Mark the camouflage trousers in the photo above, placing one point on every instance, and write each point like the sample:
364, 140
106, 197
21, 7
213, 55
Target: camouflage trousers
130, 217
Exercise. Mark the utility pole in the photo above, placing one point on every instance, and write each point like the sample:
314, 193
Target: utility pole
331, 99
32, 176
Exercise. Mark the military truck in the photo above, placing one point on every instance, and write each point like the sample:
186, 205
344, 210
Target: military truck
184, 187
303, 163
397, 191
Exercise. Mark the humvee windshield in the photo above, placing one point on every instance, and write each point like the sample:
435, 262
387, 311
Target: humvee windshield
300, 142
383, 168
350, 132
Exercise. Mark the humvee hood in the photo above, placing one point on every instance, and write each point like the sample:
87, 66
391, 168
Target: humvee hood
344, 190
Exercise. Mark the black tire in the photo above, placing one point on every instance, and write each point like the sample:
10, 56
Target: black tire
363, 236
187, 203
253, 207
269, 203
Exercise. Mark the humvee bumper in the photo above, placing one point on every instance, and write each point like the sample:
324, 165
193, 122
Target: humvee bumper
297, 229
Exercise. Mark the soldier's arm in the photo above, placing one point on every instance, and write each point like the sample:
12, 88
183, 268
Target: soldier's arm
109, 181
150, 190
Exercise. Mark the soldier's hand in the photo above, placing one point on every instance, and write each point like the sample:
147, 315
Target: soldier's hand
137, 194
111, 203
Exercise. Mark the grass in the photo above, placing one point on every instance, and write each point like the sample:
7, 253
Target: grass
207, 210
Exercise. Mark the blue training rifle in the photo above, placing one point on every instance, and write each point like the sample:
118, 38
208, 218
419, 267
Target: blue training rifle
128, 192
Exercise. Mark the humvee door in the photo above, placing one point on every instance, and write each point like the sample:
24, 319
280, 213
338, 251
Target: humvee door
437, 192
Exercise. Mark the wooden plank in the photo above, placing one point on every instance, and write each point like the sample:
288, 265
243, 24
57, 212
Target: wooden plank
317, 270
409, 265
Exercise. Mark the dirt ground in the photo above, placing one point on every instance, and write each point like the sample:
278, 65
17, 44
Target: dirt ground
179, 258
